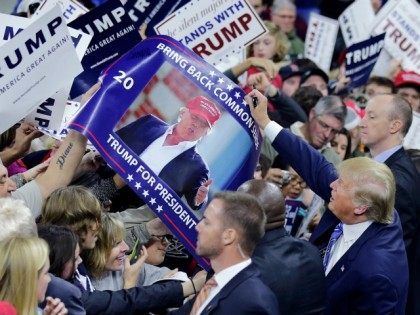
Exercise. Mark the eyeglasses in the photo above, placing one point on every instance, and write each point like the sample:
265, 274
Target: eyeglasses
326, 127
163, 238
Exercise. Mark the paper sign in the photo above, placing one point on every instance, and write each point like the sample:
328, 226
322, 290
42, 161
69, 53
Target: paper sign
320, 38
29, 64
113, 35
356, 21
361, 58
214, 30
401, 23
144, 104
71, 9
11, 25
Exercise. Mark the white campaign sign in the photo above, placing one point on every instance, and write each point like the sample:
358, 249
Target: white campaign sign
214, 29
50, 113
71, 9
39, 60
320, 38
356, 22
401, 23
11, 25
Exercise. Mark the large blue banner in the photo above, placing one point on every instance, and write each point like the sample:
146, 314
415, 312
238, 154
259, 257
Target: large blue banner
174, 128
361, 58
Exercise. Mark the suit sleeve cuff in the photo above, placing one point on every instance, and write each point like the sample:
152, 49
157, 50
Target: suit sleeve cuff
272, 130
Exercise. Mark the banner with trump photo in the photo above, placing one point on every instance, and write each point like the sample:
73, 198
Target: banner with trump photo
175, 129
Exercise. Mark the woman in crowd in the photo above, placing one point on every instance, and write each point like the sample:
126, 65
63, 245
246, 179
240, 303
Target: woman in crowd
342, 144
24, 275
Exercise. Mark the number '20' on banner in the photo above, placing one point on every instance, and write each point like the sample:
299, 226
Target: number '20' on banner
174, 128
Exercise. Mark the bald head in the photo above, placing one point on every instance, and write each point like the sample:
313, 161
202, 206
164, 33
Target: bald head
270, 198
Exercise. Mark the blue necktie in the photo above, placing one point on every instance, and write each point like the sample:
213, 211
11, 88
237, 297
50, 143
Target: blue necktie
338, 231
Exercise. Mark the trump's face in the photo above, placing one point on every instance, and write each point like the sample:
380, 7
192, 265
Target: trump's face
210, 230
191, 127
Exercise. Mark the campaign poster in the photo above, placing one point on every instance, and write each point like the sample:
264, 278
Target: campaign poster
169, 124
149, 13
113, 34
214, 30
356, 21
71, 9
319, 41
29, 63
401, 23
11, 25
361, 58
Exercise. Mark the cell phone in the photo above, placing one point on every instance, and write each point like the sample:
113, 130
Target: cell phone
254, 98
136, 252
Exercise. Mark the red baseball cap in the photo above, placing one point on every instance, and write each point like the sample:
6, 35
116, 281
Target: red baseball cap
404, 78
204, 108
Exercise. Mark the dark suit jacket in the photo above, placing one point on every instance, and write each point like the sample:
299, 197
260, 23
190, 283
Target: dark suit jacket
372, 276
184, 174
407, 203
244, 294
293, 270
69, 294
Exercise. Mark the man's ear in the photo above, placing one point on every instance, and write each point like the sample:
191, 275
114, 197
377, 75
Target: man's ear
359, 210
228, 236
395, 126
312, 114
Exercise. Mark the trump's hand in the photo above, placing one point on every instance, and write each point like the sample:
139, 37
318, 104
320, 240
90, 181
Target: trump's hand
259, 113
202, 192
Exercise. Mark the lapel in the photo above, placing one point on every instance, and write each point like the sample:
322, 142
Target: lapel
343, 265
394, 157
245, 274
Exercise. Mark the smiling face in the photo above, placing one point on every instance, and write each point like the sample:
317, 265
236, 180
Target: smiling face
191, 127
210, 229
265, 47
116, 258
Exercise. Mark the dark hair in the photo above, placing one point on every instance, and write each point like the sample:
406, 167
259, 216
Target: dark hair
62, 242
8, 136
265, 164
345, 132
304, 63
383, 81
243, 212
307, 97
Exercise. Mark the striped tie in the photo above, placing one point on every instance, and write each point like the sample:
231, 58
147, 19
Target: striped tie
338, 231
203, 295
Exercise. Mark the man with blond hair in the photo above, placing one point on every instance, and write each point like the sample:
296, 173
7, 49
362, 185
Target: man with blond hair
360, 235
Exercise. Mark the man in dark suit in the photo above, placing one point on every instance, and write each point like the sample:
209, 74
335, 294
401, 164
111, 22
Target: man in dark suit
170, 151
292, 268
365, 260
231, 227
382, 130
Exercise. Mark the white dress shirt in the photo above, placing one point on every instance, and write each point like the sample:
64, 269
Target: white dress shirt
157, 159
222, 278
351, 234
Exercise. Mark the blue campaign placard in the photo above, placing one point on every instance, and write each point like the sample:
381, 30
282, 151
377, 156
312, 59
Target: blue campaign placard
113, 35
171, 124
361, 58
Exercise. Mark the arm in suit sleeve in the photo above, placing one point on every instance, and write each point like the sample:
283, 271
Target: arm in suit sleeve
135, 300
317, 172
199, 175
380, 295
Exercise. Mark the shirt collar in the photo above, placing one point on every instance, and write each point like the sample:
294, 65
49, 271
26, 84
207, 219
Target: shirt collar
351, 232
224, 276
383, 156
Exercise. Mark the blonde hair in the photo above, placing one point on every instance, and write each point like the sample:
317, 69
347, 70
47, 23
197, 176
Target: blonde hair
282, 43
21, 262
73, 206
16, 219
373, 186
112, 232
